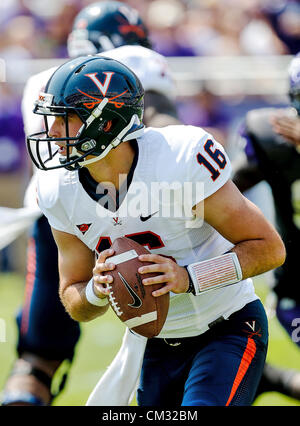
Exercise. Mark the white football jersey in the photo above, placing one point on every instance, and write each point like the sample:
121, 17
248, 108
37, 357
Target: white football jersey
187, 166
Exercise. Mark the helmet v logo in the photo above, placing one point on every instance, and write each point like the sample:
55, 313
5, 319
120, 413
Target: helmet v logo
102, 87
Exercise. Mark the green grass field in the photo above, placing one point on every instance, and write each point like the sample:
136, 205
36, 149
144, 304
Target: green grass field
101, 339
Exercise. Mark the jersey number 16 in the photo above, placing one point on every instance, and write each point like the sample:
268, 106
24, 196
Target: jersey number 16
217, 156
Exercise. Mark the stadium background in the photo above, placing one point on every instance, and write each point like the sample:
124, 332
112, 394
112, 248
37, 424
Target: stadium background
227, 56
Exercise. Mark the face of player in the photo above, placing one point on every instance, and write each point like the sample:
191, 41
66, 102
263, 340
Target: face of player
58, 129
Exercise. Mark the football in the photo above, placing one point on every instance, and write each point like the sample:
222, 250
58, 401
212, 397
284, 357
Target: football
132, 301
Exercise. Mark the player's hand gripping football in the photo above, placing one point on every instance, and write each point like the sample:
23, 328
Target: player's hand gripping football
175, 277
101, 281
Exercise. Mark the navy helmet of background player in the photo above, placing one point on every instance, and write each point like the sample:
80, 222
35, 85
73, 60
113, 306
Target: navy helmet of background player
105, 25
108, 25
272, 138
41, 352
111, 111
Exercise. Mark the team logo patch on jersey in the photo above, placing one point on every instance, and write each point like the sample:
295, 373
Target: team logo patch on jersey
84, 227
117, 221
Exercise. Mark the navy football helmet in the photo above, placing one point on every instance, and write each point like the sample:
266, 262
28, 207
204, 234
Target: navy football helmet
294, 81
108, 98
105, 25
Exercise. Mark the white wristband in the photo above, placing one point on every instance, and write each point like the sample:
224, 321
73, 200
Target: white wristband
91, 297
214, 273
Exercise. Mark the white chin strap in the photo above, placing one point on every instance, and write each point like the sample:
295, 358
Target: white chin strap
114, 143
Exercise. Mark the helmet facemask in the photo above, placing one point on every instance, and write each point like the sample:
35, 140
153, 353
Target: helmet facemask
110, 127
43, 148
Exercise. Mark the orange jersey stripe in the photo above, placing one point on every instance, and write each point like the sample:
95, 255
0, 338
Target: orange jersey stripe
244, 365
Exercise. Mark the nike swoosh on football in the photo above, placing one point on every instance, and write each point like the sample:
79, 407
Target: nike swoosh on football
136, 300
144, 218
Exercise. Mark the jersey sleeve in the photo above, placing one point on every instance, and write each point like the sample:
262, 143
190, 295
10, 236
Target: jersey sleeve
49, 202
208, 168
191, 157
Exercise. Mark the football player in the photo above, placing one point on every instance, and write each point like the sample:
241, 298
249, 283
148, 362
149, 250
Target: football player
47, 335
212, 347
271, 145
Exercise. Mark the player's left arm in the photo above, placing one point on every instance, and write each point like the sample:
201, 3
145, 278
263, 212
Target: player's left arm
257, 244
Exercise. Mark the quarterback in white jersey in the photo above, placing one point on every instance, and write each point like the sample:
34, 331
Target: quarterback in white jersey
170, 229
100, 187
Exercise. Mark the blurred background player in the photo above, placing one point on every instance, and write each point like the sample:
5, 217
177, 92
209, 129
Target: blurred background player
272, 153
47, 334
